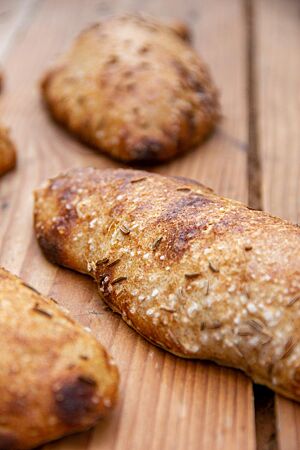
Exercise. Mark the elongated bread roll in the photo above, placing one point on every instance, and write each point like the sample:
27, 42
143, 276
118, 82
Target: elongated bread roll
133, 88
197, 274
7, 152
55, 378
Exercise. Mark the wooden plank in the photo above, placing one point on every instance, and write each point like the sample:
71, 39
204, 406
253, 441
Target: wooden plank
13, 17
278, 43
165, 402
278, 86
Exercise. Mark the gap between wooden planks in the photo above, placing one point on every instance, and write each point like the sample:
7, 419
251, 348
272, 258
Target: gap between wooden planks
166, 402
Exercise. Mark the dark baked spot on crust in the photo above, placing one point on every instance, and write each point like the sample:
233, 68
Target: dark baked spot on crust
144, 49
177, 243
74, 400
8, 441
189, 118
50, 249
185, 33
195, 84
232, 222
184, 206
148, 150
188, 78
181, 229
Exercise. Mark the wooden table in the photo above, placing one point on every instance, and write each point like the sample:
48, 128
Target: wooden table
253, 49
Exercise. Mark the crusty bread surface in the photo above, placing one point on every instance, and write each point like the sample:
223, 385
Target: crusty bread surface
55, 378
134, 89
199, 275
7, 152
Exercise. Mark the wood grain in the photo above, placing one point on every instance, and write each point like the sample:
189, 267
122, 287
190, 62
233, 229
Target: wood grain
14, 15
278, 86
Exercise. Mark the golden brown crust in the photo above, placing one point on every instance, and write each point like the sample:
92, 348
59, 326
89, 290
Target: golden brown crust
197, 274
7, 152
133, 88
55, 378
7, 148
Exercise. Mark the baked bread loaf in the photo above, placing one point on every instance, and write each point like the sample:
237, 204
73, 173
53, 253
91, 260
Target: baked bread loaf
55, 378
133, 88
196, 274
7, 152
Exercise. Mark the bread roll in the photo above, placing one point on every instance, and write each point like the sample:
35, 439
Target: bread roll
199, 275
55, 378
134, 89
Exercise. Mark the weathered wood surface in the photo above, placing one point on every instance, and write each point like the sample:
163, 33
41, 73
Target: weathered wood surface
165, 402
